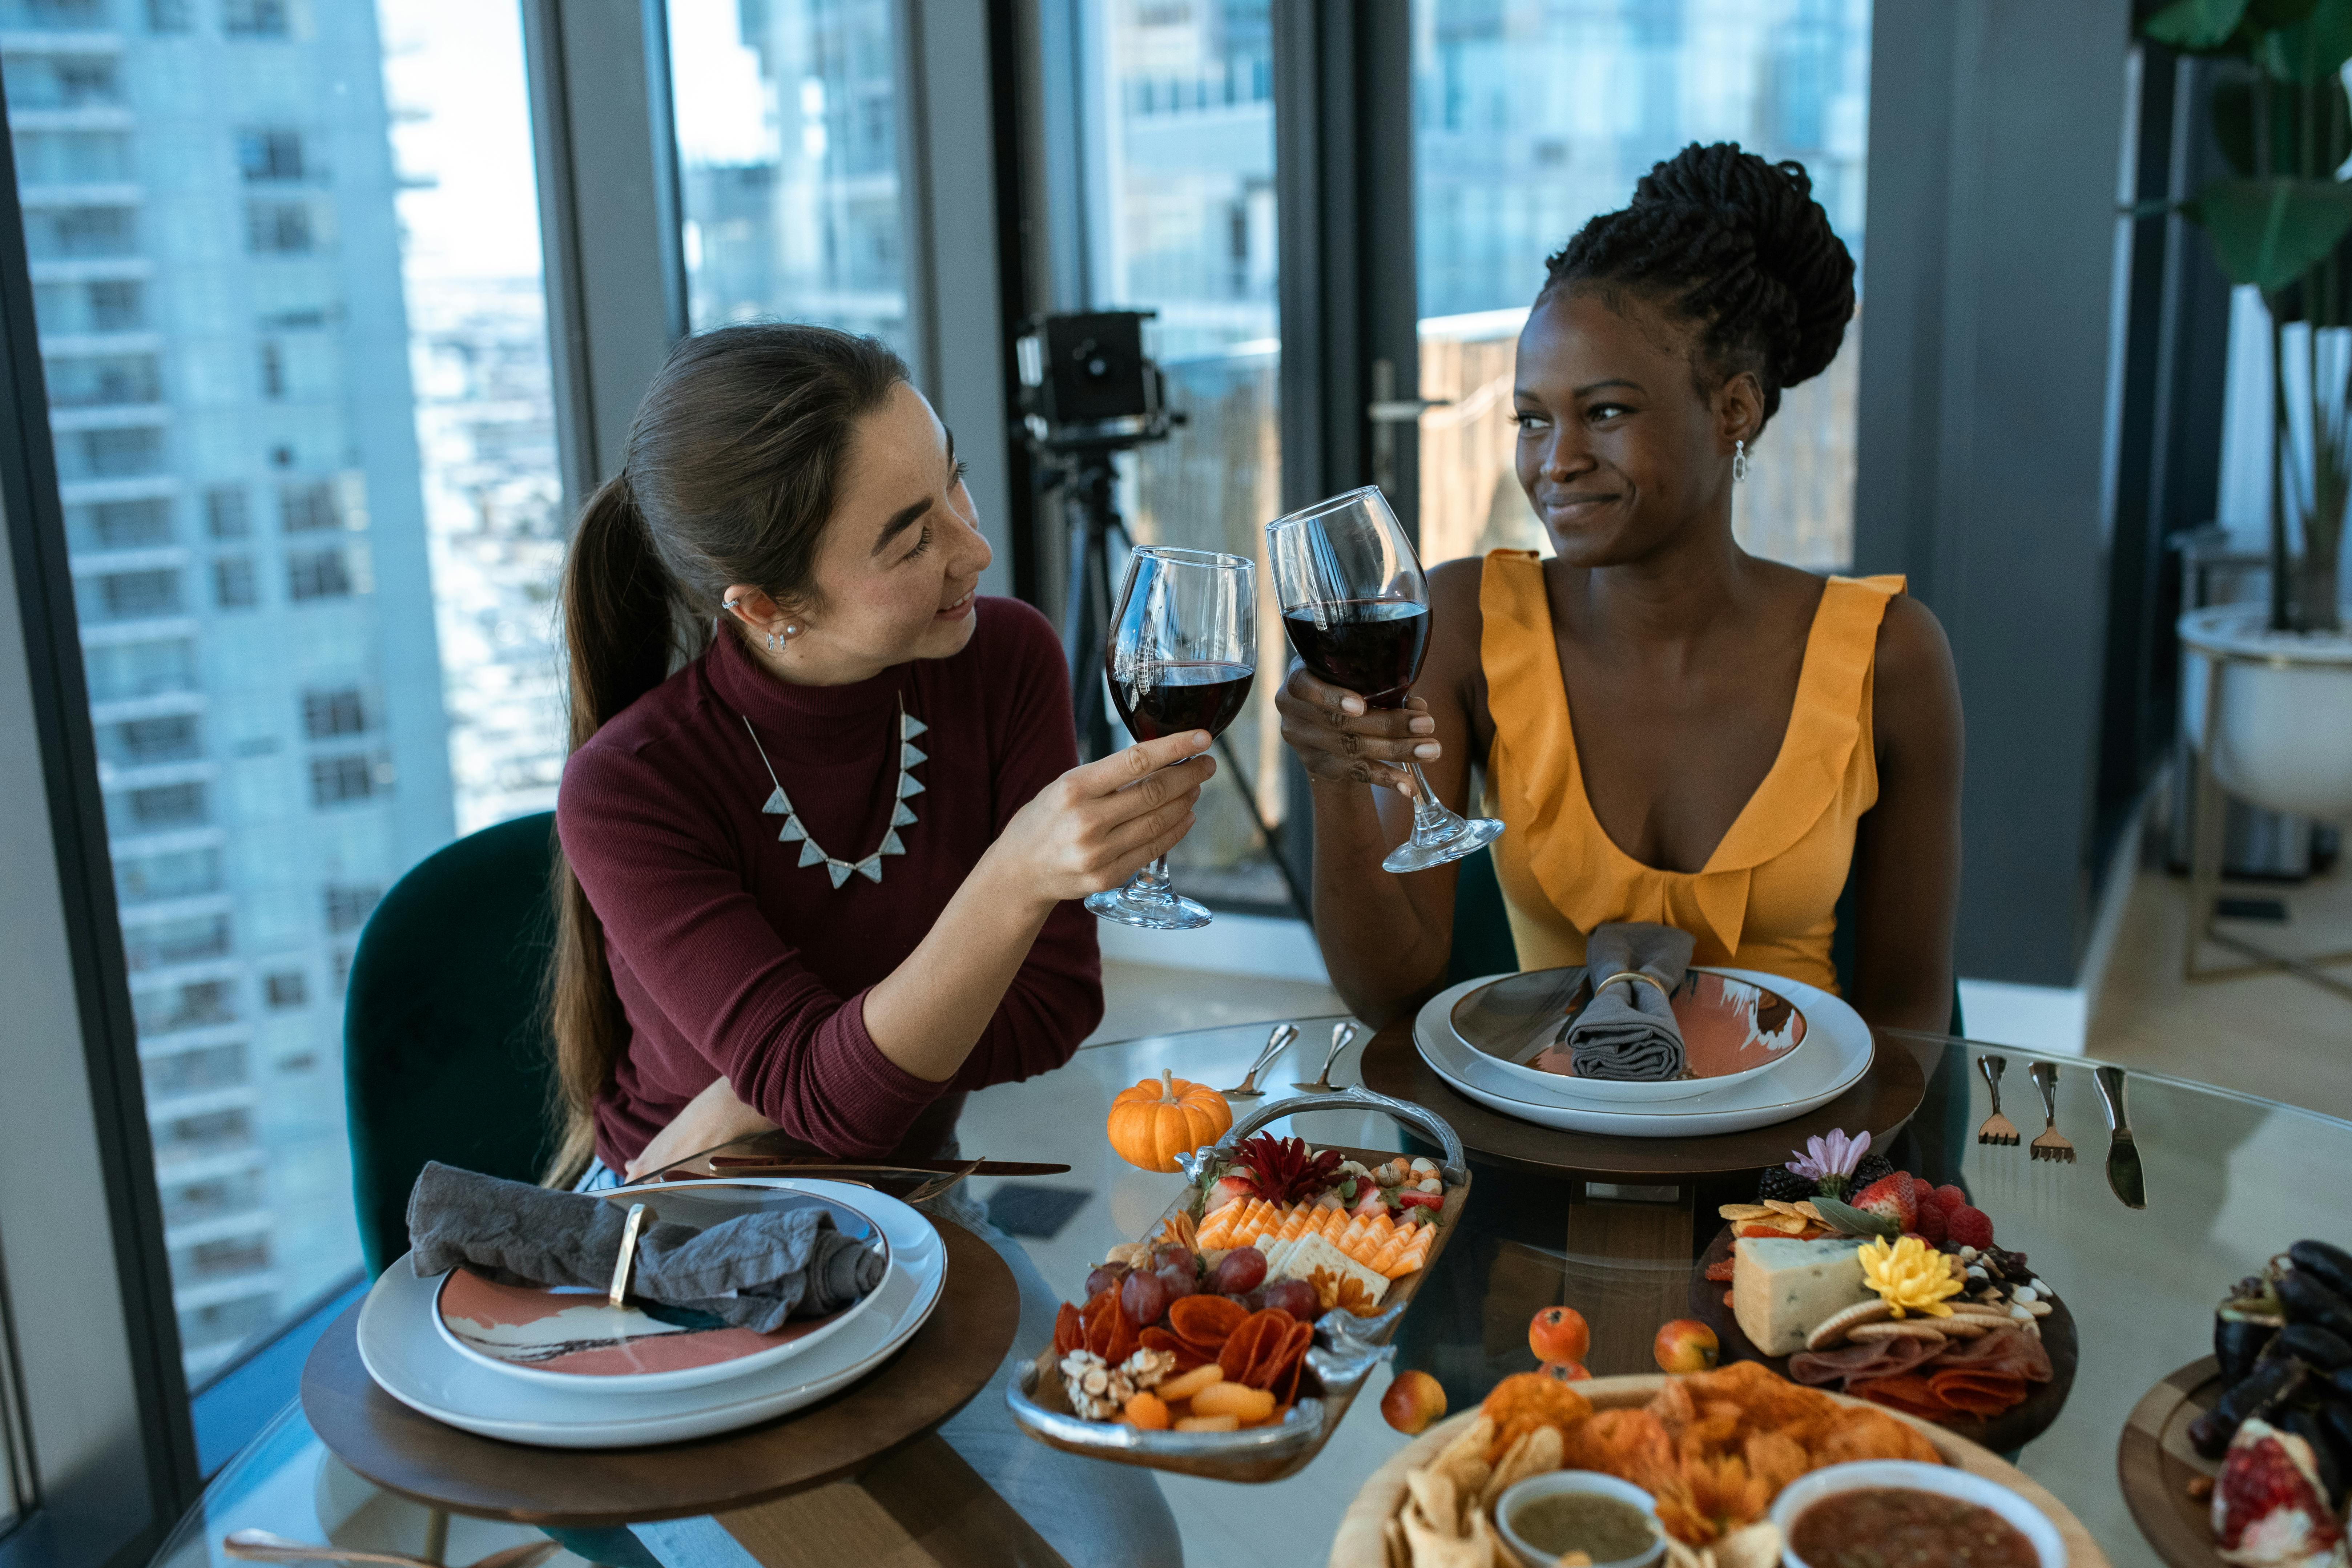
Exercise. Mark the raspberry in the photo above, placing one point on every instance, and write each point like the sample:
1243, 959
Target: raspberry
1949, 1198
1923, 1192
1933, 1227
1969, 1228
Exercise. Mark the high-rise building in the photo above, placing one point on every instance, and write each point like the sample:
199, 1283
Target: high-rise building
208, 202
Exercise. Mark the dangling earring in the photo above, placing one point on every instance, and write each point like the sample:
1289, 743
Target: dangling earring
775, 642
1738, 461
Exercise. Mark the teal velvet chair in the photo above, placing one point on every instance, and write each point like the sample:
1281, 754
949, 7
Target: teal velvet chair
445, 1053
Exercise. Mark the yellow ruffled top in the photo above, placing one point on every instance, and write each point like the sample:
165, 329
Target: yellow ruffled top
1766, 898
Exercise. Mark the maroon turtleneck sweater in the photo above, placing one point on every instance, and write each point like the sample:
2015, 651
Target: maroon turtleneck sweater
733, 959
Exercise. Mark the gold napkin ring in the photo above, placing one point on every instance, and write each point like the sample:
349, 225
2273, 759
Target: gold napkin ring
1645, 976
638, 1215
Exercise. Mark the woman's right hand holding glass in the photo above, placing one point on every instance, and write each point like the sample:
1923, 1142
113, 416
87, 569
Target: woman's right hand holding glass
1101, 822
1340, 739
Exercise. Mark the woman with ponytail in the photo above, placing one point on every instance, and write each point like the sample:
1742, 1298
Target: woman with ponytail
1672, 730
823, 825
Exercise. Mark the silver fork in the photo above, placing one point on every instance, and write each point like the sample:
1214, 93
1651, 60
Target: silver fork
2052, 1144
1997, 1128
1276, 1044
1341, 1036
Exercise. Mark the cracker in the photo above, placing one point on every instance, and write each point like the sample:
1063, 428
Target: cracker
1736, 1212
1834, 1328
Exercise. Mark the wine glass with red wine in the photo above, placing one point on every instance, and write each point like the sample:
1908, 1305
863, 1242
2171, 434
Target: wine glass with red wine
1182, 653
1356, 608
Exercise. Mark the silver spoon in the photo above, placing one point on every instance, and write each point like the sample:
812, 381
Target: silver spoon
1343, 1034
266, 1546
1276, 1044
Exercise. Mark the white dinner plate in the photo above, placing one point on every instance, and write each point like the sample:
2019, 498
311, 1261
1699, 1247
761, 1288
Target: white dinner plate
404, 1350
569, 1337
1733, 1029
1837, 1053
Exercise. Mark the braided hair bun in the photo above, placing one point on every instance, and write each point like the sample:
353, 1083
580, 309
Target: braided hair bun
1739, 246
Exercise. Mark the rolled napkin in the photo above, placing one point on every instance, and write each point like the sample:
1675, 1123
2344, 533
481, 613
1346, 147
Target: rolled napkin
754, 1271
1627, 1031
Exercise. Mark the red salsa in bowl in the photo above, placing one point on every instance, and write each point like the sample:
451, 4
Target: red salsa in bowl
1902, 1527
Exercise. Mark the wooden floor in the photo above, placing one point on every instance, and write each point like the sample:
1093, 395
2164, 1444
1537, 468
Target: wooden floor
2270, 1035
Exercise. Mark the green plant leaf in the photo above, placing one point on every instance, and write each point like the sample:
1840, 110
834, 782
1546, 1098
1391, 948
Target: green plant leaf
2269, 233
2233, 124
1855, 1222
2314, 49
2195, 26
2264, 16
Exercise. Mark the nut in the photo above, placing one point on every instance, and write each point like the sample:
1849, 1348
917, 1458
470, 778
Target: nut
1431, 1184
2023, 1296
2039, 1309
1145, 1368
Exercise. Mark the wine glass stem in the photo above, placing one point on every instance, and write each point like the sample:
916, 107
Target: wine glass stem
1428, 811
1153, 879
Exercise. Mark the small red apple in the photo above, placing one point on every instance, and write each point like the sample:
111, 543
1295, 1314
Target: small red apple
1560, 1333
1566, 1370
1412, 1401
1686, 1345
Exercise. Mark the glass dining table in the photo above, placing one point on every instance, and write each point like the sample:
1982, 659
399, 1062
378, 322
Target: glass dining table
2230, 1180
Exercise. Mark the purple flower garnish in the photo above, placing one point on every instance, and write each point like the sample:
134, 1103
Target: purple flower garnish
1833, 1157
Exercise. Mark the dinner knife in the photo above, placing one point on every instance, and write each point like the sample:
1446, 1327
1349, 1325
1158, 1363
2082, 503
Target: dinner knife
741, 1164
2124, 1178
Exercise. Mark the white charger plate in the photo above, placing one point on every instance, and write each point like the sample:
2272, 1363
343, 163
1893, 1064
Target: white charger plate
404, 1350
1514, 1018
569, 1338
1837, 1053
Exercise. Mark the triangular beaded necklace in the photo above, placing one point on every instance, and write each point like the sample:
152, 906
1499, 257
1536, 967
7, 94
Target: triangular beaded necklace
901, 814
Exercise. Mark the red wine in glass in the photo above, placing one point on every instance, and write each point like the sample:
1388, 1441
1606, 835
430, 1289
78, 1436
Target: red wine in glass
1370, 646
1203, 696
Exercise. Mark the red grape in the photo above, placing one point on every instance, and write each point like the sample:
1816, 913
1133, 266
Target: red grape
1146, 1298
1182, 1279
1296, 1296
1239, 1272
1174, 1257
1106, 1276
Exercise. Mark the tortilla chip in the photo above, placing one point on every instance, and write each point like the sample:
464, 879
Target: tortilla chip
1432, 1550
1435, 1498
1536, 1453
1757, 1546
1775, 1457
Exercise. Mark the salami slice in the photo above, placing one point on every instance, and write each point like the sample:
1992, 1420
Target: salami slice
2004, 1353
1850, 1363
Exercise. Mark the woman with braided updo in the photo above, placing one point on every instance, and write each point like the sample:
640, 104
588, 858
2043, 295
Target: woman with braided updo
1671, 728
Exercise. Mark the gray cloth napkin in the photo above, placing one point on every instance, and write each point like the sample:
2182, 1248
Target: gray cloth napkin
1627, 1031
754, 1271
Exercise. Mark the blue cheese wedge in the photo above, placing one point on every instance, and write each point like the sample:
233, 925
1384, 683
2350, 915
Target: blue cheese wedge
1300, 1259
1780, 1289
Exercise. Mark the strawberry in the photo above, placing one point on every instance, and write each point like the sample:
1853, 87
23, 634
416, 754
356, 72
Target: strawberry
2267, 1505
1238, 1182
1934, 1227
1408, 1199
1889, 1197
1371, 1203
1967, 1226
1949, 1198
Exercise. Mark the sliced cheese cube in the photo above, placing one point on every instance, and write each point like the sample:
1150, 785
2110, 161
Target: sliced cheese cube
1782, 1289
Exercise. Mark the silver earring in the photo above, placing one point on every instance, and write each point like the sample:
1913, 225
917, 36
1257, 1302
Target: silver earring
1738, 461
775, 642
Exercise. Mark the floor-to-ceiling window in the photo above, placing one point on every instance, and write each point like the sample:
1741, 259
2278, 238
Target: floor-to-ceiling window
1175, 153
1530, 117
285, 270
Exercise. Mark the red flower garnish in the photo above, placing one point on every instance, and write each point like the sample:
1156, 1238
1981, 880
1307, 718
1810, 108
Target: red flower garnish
1283, 1171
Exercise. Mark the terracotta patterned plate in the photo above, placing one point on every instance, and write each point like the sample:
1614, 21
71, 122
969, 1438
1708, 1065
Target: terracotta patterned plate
569, 1336
1733, 1029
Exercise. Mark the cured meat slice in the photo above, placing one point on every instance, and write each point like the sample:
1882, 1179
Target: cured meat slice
2004, 1353
1880, 1357
1978, 1392
1908, 1393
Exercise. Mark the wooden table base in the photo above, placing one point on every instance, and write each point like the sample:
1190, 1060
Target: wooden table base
921, 1507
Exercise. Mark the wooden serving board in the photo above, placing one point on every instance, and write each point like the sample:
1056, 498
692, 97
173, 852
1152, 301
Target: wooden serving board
2156, 1463
1362, 1543
2003, 1434
1051, 1394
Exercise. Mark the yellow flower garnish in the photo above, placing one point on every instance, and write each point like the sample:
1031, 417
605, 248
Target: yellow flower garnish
1910, 1275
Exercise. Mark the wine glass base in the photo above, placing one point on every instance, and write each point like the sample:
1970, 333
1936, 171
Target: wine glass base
1466, 836
1152, 911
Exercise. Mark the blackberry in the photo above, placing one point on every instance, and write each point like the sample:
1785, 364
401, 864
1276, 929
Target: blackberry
1874, 1167
1783, 1186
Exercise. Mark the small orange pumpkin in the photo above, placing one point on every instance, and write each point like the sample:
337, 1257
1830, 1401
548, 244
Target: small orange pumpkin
1161, 1118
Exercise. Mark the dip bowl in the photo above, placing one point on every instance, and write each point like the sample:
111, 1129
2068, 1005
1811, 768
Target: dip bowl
1552, 1483
1807, 1489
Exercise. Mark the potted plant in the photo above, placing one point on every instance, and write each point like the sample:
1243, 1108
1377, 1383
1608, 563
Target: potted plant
2280, 222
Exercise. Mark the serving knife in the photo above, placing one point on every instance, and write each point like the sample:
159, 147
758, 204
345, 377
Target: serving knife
2124, 1178
746, 1164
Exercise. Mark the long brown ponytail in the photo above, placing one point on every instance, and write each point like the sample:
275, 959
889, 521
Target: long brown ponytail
730, 476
